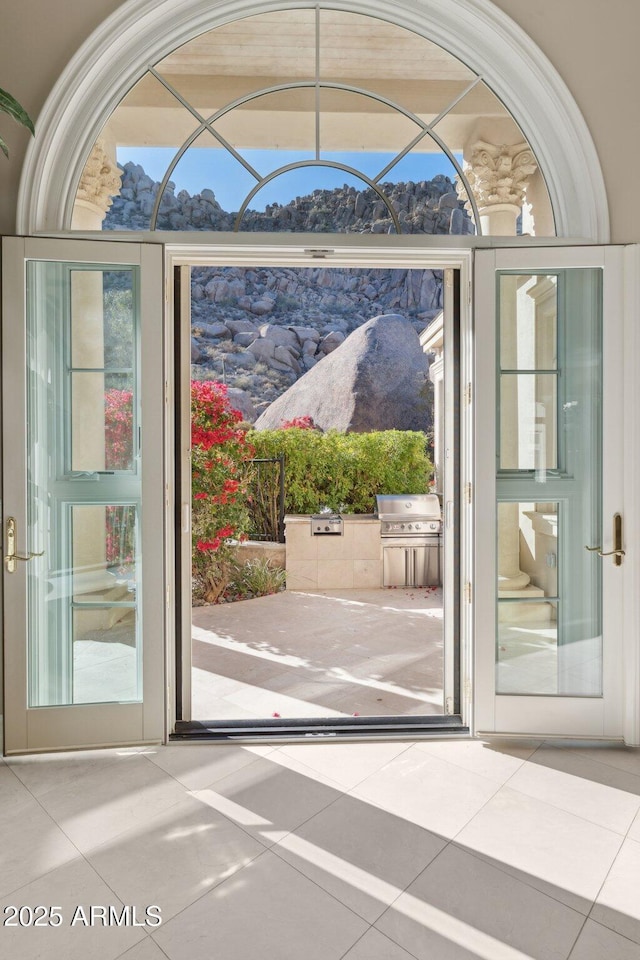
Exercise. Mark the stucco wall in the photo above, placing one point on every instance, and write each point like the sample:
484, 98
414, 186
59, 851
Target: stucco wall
37, 40
592, 45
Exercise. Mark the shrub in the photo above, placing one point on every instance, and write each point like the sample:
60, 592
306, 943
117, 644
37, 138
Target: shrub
256, 578
219, 453
345, 471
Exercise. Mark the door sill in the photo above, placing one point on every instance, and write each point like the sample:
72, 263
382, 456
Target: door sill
350, 728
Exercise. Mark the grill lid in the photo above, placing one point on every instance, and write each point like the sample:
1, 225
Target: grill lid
425, 506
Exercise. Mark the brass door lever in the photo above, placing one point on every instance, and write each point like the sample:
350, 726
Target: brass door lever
11, 556
617, 553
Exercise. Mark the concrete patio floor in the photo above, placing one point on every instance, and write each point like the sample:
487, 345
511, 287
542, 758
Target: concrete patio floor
320, 654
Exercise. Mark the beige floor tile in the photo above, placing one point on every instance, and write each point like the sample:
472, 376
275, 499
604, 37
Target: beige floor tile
598, 943
618, 903
111, 801
496, 760
475, 905
242, 662
208, 703
427, 791
368, 651
41, 772
268, 800
584, 787
147, 949
176, 857
375, 946
556, 852
383, 700
612, 755
13, 792
634, 829
363, 856
344, 763
201, 764
268, 910
70, 886
264, 702
295, 766
32, 843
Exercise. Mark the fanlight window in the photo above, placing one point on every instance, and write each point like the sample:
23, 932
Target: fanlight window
312, 120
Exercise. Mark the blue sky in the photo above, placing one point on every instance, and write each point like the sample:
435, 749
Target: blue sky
219, 171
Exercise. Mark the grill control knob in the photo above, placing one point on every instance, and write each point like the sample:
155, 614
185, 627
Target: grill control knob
410, 527
327, 528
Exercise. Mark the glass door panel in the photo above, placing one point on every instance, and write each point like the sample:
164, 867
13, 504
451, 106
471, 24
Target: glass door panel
552, 450
84, 459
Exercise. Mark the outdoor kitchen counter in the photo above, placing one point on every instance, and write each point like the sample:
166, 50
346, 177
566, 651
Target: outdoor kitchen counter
350, 560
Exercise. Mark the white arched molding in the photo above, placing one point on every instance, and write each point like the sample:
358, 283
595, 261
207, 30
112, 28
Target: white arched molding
141, 32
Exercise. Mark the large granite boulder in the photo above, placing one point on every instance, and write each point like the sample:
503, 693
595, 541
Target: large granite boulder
375, 380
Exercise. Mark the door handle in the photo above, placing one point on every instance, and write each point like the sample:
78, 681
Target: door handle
11, 555
617, 553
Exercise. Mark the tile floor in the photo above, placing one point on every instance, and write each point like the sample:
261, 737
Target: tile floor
320, 654
431, 850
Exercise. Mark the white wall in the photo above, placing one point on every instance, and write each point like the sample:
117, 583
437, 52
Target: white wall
593, 45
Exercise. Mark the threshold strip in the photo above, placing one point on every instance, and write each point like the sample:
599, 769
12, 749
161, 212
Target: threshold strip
318, 729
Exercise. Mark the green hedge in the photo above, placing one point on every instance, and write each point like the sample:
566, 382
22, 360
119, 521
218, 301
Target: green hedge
345, 471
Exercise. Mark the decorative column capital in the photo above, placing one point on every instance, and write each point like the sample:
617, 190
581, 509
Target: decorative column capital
100, 181
499, 174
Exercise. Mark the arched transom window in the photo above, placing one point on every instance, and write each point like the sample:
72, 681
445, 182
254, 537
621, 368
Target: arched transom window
313, 120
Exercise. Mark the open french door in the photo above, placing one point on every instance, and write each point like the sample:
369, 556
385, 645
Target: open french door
83, 493
550, 534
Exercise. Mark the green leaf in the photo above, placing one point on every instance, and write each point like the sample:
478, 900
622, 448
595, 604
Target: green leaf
4, 147
10, 105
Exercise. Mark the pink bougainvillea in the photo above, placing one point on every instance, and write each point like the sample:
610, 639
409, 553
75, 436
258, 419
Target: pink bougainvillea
118, 452
299, 423
219, 452
118, 429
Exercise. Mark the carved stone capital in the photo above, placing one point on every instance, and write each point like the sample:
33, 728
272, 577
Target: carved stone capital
499, 174
101, 179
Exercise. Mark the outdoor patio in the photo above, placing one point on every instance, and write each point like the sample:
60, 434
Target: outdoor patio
320, 654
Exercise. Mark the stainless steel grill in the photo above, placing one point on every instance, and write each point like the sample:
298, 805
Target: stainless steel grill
326, 523
403, 515
411, 533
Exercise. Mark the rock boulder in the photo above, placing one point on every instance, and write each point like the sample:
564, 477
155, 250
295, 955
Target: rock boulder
375, 380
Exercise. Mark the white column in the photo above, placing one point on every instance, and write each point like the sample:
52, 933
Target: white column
99, 183
498, 176
432, 343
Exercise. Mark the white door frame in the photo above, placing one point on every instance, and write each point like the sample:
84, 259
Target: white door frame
616, 715
308, 251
